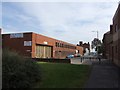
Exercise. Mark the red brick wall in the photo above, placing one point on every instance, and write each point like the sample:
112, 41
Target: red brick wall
17, 44
116, 33
119, 50
58, 52
107, 42
80, 49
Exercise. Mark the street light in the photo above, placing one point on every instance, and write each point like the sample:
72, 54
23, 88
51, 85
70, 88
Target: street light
97, 33
97, 38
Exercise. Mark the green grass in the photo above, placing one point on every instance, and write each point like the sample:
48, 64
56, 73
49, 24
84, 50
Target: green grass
57, 75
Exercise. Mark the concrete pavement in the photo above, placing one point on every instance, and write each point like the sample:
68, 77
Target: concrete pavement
76, 61
103, 75
83, 61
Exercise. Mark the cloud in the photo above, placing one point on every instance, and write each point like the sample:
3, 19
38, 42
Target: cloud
61, 1
10, 29
67, 21
13, 17
0, 14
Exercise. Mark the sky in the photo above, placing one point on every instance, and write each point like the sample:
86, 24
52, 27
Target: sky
67, 20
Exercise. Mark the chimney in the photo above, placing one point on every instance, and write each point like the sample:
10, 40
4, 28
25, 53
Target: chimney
88, 43
80, 43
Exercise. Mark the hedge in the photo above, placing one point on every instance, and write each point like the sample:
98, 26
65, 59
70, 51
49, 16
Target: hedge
19, 72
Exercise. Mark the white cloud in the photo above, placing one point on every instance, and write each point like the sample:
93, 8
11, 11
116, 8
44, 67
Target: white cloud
60, 0
0, 14
23, 17
70, 21
10, 29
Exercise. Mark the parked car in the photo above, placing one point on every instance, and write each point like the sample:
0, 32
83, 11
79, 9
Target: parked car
70, 56
77, 55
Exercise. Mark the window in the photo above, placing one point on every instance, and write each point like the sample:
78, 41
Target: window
27, 43
56, 44
62, 45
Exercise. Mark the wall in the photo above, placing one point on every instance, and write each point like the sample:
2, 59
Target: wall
116, 33
60, 48
112, 39
0, 60
17, 44
107, 42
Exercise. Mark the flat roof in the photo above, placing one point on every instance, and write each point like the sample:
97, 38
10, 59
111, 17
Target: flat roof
43, 36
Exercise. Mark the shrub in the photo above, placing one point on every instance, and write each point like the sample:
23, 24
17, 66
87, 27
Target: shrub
19, 72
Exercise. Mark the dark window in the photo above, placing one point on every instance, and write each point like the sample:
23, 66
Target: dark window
56, 44
62, 45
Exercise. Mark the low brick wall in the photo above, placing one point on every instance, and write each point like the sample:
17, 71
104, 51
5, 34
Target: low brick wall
52, 60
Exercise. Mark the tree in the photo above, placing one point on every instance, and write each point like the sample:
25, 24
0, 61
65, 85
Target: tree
96, 44
100, 49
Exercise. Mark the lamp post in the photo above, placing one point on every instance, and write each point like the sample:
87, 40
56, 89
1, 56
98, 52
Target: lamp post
97, 34
97, 38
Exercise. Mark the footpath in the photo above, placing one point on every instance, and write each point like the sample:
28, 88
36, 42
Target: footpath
103, 75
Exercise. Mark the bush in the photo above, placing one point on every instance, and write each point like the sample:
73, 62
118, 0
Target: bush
19, 72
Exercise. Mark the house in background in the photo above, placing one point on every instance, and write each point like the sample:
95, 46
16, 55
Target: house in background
86, 46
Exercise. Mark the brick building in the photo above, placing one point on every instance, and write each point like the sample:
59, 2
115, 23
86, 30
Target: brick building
84, 45
116, 36
107, 40
111, 40
0, 41
38, 46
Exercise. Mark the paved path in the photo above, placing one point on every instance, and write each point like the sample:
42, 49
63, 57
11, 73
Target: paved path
103, 75
76, 61
84, 61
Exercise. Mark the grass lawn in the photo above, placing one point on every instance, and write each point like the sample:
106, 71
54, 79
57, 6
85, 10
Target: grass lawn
59, 75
